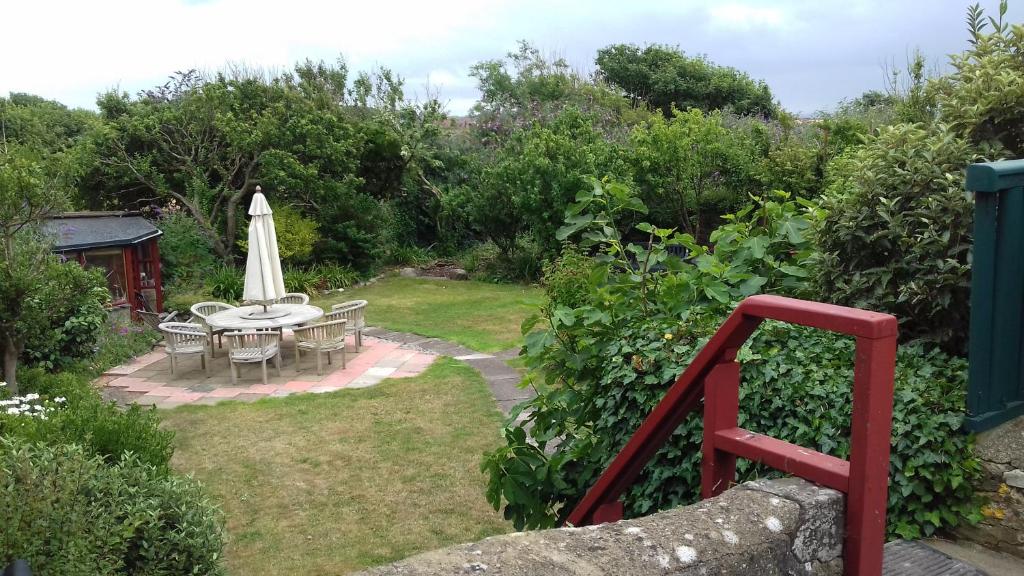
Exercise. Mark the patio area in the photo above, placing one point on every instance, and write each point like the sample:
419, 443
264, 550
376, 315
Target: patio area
147, 380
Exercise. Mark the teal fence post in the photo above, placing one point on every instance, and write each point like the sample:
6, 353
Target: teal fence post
996, 374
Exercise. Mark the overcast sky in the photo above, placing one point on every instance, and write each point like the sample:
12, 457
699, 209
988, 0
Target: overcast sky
812, 53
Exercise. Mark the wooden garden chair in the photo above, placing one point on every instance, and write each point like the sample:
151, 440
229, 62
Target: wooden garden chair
183, 339
203, 310
294, 298
353, 311
320, 338
250, 346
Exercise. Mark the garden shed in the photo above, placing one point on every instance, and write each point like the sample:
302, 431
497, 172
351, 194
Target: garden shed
123, 244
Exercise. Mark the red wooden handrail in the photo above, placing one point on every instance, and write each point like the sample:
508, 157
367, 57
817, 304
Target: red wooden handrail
715, 375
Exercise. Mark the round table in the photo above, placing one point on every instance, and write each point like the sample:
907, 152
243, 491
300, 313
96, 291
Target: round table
234, 318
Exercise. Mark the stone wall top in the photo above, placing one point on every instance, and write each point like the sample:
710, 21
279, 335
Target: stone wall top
762, 528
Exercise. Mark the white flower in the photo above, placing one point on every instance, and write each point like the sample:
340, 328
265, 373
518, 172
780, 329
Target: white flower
2, 384
13, 411
31, 396
60, 399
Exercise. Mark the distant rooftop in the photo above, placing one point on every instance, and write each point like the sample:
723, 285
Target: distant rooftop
79, 230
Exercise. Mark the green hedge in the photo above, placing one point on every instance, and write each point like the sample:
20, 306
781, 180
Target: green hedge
77, 515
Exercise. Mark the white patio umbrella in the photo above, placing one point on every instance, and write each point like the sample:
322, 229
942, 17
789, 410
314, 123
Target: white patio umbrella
264, 282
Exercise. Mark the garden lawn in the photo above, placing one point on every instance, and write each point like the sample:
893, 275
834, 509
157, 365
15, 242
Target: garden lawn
479, 315
332, 483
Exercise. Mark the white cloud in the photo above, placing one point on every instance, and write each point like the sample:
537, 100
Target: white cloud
70, 50
747, 16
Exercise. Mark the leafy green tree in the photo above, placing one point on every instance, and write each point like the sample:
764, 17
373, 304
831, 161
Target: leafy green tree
207, 142
32, 188
528, 86
664, 78
43, 124
532, 179
691, 168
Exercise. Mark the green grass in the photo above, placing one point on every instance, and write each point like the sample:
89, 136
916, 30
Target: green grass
479, 315
332, 483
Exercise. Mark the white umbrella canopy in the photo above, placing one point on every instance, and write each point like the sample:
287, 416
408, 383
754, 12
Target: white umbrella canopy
264, 282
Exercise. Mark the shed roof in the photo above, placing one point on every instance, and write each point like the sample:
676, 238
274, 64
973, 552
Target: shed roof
79, 230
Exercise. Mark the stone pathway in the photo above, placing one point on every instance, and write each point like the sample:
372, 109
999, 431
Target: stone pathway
501, 378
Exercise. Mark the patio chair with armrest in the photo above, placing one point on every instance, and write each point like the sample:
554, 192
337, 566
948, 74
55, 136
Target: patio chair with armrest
154, 320
321, 338
250, 346
294, 298
183, 339
353, 311
202, 311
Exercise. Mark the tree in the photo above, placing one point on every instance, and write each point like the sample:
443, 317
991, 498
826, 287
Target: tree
692, 168
32, 188
207, 143
663, 77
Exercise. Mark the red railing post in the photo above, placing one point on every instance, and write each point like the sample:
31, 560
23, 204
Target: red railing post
715, 374
721, 410
871, 428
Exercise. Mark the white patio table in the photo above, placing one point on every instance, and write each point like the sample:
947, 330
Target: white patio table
236, 318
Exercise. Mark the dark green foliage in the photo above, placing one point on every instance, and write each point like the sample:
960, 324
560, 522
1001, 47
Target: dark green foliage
77, 515
226, 283
301, 280
897, 233
84, 418
73, 300
566, 279
692, 168
604, 365
186, 254
535, 176
666, 79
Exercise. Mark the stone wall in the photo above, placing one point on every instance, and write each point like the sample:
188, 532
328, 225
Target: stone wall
762, 528
1001, 451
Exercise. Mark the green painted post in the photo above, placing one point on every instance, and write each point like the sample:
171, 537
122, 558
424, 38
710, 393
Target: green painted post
996, 374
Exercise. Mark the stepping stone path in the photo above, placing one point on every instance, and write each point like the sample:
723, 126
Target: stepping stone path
385, 354
501, 378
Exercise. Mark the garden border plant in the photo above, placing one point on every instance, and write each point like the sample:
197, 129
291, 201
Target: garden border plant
603, 365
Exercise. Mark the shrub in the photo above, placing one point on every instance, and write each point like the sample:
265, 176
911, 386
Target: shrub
306, 281
186, 253
487, 262
296, 235
76, 515
691, 168
74, 303
603, 366
83, 417
182, 299
566, 279
226, 283
334, 276
982, 97
897, 232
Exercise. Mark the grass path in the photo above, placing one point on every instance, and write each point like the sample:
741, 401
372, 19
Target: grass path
331, 483
479, 315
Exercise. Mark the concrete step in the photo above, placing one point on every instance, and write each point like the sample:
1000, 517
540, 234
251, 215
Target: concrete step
903, 558
989, 561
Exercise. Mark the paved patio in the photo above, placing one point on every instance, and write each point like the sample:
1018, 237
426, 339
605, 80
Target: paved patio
148, 380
